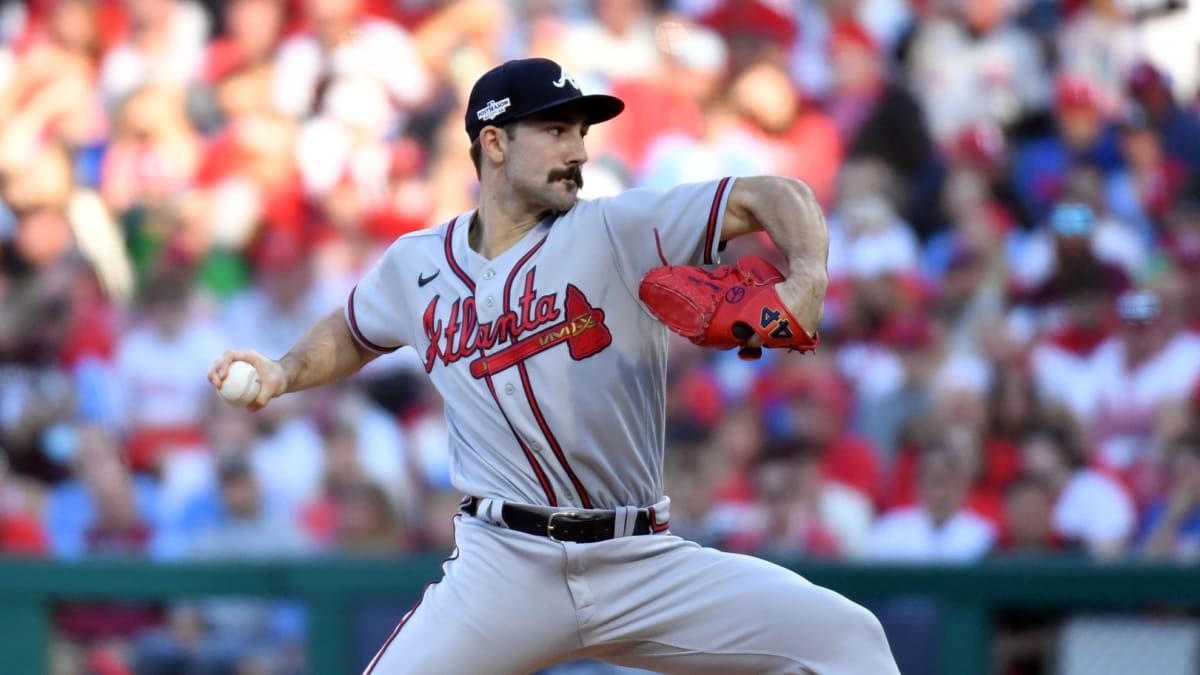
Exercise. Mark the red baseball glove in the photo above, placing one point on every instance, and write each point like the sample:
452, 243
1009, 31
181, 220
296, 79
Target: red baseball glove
725, 307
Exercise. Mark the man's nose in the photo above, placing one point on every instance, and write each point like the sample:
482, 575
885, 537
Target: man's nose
578, 151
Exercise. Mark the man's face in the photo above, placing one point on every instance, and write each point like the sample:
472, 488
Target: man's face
241, 496
1028, 512
943, 484
1080, 126
1143, 338
544, 161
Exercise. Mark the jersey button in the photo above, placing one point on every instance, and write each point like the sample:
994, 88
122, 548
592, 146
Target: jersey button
489, 301
509, 388
488, 274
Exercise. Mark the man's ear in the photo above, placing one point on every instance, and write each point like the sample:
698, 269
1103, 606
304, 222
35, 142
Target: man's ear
493, 142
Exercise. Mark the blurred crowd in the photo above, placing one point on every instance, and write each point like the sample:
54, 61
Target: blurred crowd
1010, 359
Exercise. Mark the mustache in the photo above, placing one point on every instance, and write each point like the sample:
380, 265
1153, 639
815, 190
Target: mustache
573, 174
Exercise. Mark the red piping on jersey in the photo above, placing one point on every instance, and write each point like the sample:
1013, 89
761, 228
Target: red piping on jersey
379, 654
584, 500
658, 242
358, 333
537, 468
713, 214
545, 427
517, 268
450, 256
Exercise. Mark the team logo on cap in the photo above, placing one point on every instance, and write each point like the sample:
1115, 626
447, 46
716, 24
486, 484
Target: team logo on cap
564, 78
493, 109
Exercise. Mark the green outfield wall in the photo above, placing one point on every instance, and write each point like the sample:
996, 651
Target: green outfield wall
967, 597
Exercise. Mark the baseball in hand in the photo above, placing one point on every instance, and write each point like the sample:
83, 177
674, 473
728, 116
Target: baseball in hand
241, 384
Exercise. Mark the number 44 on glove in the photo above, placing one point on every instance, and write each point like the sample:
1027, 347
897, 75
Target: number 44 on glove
725, 307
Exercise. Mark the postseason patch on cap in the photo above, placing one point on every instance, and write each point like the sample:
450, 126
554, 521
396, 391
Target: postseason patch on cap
493, 109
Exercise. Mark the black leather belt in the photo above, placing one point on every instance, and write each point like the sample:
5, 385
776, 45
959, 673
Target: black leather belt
575, 526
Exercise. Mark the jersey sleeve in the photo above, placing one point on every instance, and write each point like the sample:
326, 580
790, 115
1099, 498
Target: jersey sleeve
375, 310
685, 219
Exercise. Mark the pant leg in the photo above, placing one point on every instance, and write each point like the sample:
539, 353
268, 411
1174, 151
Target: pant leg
502, 608
674, 607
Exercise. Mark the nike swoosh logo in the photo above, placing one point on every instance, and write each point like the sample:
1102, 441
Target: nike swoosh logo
422, 279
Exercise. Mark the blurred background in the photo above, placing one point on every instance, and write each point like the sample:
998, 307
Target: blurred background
1010, 359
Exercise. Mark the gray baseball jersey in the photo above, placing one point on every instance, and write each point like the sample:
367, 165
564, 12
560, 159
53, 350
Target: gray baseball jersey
552, 372
554, 375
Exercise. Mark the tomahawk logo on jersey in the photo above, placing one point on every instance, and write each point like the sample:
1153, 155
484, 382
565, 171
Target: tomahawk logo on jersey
462, 334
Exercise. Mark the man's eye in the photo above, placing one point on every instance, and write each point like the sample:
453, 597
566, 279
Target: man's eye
556, 130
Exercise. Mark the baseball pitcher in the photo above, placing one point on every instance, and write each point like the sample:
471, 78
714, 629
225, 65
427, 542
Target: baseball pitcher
542, 320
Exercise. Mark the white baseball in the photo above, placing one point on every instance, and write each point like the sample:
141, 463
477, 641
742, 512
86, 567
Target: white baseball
241, 384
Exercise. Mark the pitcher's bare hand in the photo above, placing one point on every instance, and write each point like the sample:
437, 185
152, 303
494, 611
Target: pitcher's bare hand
271, 375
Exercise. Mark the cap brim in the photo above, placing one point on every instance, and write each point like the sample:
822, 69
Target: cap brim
596, 107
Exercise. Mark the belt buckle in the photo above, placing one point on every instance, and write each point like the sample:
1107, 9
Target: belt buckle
550, 523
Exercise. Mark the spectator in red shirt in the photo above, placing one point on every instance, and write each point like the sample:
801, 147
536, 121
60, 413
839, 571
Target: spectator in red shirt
987, 475
342, 472
740, 438
801, 141
791, 514
808, 405
940, 527
1012, 406
1028, 520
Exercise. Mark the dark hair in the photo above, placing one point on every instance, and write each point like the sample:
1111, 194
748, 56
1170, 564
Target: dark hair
792, 448
234, 468
1025, 482
936, 448
477, 150
996, 417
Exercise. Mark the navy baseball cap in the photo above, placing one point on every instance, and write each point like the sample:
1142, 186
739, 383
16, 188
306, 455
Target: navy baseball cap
522, 87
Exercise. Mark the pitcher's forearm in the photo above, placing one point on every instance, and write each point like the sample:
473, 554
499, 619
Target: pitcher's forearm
793, 219
796, 225
787, 211
327, 352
